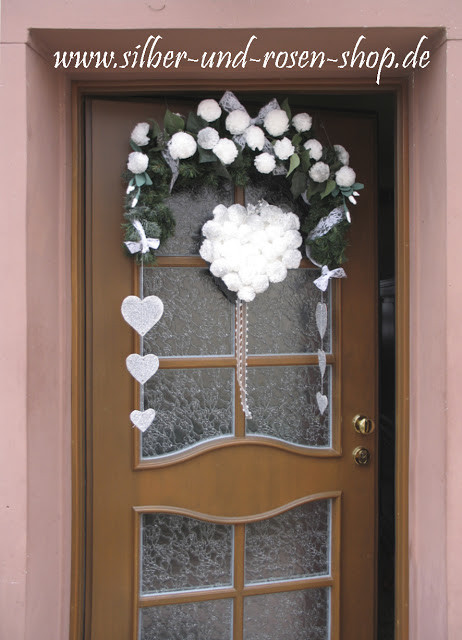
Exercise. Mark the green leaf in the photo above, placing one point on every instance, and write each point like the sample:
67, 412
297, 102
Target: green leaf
147, 180
285, 107
195, 123
294, 163
296, 139
222, 171
140, 179
298, 184
155, 127
330, 186
206, 155
357, 186
306, 160
134, 146
173, 122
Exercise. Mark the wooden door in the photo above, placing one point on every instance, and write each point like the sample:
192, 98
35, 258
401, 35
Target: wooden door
204, 527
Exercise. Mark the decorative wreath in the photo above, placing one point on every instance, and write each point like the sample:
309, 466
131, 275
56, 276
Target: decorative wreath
221, 141
247, 247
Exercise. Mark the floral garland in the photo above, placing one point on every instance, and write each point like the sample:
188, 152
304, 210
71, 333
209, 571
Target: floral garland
221, 141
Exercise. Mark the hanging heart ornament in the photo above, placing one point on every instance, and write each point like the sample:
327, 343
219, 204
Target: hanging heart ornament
322, 401
321, 318
142, 367
142, 419
142, 314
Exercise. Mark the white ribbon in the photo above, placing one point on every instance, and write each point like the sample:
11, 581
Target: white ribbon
323, 280
229, 103
326, 223
145, 243
173, 165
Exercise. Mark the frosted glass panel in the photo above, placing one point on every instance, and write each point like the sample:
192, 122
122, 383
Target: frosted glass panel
191, 207
198, 319
294, 615
191, 405
192, 621
295, 544
275, 190
283, 404
282, 319
180, 553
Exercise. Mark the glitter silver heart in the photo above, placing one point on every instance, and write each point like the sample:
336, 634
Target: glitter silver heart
143, 314
322, 361
322, 402
142, 419
321, 318
142, 367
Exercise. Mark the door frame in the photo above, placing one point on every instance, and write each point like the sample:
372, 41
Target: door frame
80, 597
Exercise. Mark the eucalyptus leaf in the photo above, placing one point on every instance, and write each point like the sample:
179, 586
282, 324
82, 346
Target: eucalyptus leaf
155, 127
195, 123
296, 139
306, 160
173, 122
357, 186
206, 155
285, 107
298, 184
134, 146
222, 171
147, 180
140, 179
294, 163
330, 186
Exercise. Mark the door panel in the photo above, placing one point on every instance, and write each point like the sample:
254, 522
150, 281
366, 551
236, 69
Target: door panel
205, 526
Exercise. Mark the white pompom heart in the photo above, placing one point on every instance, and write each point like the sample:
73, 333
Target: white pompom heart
250, 247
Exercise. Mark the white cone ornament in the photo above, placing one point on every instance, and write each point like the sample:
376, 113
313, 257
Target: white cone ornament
248, 248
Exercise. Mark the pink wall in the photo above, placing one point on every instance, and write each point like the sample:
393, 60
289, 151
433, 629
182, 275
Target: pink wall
35, 341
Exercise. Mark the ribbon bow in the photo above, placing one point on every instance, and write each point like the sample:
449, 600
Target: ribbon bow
323, 280
229, 103
145, 243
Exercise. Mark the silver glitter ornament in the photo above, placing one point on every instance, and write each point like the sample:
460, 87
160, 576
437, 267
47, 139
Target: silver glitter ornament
142, 367
142, 419
142, 314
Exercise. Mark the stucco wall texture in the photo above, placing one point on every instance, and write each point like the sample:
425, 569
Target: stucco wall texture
35, 336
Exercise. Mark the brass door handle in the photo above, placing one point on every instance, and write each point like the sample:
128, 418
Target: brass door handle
363, 425
361, 456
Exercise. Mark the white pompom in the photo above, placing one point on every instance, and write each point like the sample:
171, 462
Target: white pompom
290, 221
277, 272
211, 229
237, 122
232, 281
270, 252
291, 259
220, 267
247, 294
237, 213
260, 283
294, 239
207, 251
273, 232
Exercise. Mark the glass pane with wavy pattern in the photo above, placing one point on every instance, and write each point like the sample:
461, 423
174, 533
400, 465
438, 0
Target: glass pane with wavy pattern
282, 319
293, 615
180, 553
283, 404
191, 207
192, 405
198, 320
295, 544
209, 620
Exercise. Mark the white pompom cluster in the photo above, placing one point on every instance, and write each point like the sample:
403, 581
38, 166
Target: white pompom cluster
139, 135
237, 122
207, 138
209, 110
137, 162
182, 145
250, 247
345, 177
